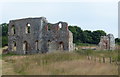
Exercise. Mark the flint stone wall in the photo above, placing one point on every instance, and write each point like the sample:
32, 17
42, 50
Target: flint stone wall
107, 42
43, 36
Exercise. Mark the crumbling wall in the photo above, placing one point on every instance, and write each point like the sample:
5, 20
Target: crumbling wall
58, 38
107, 42
36, 35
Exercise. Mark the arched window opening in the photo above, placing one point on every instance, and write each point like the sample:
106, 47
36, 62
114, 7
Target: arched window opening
36, 45
14, 46
48, 43
61, 46
27, 30
60, 25
13, 30
105, 44
25, 47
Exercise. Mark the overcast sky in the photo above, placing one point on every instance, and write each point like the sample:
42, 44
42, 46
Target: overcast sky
87, 15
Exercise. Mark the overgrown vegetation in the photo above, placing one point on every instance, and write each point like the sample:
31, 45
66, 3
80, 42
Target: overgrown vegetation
55, 63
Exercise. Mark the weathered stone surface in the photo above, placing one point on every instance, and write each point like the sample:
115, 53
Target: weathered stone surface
36, 35
107, 42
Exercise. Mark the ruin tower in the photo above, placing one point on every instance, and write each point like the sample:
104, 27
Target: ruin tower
36, 35
107, 42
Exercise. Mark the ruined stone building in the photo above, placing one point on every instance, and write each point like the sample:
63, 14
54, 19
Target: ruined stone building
36, 35
107, 42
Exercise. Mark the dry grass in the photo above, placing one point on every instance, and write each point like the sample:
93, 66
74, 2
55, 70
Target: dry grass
56, 64
76, 67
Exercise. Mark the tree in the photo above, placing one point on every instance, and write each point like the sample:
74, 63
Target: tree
73, 30
88, 36
117, 41
4, 29
77, 33
4, 34
96, 36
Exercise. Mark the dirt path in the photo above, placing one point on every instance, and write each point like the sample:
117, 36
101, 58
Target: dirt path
5, 67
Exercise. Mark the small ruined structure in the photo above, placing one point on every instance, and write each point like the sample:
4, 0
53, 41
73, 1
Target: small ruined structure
107, 42
36, 35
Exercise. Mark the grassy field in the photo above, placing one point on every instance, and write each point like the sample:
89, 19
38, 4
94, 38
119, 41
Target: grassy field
59, 63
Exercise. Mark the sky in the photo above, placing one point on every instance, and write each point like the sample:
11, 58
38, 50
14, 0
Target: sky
89, 15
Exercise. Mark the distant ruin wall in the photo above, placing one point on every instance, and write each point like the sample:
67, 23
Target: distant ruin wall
107, 42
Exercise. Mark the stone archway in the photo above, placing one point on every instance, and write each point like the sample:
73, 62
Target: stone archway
25, 47
36, 45
14, 46
61, 46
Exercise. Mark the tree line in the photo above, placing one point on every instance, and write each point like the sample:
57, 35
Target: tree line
87, 36
79, 35
4, 34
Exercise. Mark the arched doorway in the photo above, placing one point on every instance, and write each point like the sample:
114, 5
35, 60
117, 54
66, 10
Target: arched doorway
105, 44
48, 45
61, 46
14, 46
25, 47
36, 45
